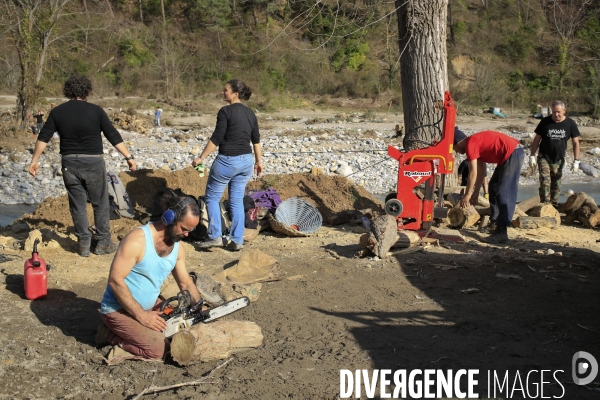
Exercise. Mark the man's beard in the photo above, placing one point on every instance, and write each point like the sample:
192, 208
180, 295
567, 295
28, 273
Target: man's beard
171, 236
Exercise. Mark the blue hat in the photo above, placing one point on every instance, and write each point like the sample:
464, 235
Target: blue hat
458, 135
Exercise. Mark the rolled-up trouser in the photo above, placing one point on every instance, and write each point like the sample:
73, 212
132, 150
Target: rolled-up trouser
504, 186
85, 178
550, 176
134, 337
234, 172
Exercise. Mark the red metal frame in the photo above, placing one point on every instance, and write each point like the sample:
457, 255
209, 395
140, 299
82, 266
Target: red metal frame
422, 166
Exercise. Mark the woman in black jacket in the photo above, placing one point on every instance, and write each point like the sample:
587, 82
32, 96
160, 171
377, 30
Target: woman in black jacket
236, 130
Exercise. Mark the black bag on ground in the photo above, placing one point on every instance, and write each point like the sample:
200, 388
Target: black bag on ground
250, 212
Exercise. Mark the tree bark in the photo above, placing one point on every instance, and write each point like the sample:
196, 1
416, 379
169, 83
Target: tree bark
423, 61
214, 341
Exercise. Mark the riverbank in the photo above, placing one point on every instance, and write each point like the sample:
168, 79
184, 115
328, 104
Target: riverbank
527, 306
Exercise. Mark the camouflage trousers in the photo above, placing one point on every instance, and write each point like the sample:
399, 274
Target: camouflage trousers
550, 175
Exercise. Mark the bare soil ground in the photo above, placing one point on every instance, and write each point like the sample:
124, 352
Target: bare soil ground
533, 310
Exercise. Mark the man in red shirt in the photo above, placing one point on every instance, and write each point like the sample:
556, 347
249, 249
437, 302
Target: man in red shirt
495, 148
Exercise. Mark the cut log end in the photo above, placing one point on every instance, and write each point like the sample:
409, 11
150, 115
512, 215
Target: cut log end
182, 348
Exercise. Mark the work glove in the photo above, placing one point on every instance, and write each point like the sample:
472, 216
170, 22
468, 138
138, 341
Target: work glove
486, 196
575, 166
532, 161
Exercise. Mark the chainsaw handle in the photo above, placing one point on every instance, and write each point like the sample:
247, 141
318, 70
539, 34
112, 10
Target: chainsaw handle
165, 303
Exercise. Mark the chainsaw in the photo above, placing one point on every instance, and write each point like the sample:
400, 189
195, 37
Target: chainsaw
184, 314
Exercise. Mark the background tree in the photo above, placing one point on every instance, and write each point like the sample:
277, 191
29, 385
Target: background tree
32, 27
423, 66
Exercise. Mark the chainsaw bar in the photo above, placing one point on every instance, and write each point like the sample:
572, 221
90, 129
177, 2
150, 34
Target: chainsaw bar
226, 309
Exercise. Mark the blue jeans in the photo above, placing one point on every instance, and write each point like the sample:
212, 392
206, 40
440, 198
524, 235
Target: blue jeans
234, 172
85, 179
504, 187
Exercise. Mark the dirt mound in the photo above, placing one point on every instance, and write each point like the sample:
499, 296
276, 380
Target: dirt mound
330, 194
130, 122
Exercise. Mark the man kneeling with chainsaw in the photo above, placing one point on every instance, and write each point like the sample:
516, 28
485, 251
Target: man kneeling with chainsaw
143, 261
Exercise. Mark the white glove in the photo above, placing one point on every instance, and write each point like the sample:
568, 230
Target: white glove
575, 166
532, 161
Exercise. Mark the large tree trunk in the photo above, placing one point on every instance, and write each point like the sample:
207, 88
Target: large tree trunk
423, 64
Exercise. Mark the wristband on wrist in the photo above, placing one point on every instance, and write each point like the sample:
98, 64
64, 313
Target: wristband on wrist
129, 158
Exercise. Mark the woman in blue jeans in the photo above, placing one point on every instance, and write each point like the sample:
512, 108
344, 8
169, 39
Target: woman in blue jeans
236, 130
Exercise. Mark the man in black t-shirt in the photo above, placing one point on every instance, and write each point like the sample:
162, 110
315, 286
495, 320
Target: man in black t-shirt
552, 135
80, 126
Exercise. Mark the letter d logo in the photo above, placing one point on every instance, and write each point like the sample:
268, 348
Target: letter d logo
583, 364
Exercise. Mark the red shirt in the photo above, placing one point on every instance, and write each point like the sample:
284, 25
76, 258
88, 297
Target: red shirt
490, 147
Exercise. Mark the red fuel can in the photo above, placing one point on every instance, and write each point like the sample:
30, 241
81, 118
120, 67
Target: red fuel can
35, 277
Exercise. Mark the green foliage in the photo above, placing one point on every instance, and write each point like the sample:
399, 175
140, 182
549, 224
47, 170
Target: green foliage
517, 46
277, 79
351, 55
459, 28
135, 53
214, 14
589, 34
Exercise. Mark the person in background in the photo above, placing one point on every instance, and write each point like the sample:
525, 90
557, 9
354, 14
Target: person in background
236, 128
157, 115
552, 135
147, 255
496, 148
80, 126
39, 118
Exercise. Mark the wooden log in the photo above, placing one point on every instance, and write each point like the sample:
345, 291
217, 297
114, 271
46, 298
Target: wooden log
405, 239
535, 222
214, 341
581, 207
487, 211
483, 202
455, 197
594, 219
463, 217
483, 210
519, 212
529, 203
578, 200
545, 210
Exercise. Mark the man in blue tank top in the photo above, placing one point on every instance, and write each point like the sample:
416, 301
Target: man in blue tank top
143, 261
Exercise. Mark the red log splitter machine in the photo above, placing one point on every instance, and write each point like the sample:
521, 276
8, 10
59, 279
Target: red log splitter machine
415, 209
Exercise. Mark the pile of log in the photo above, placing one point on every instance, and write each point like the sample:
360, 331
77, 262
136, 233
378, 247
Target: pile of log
581, 207
529, 213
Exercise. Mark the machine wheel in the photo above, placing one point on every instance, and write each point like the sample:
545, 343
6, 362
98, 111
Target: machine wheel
390, 196
393, 207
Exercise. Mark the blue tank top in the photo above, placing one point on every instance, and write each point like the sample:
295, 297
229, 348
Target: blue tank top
146, 277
